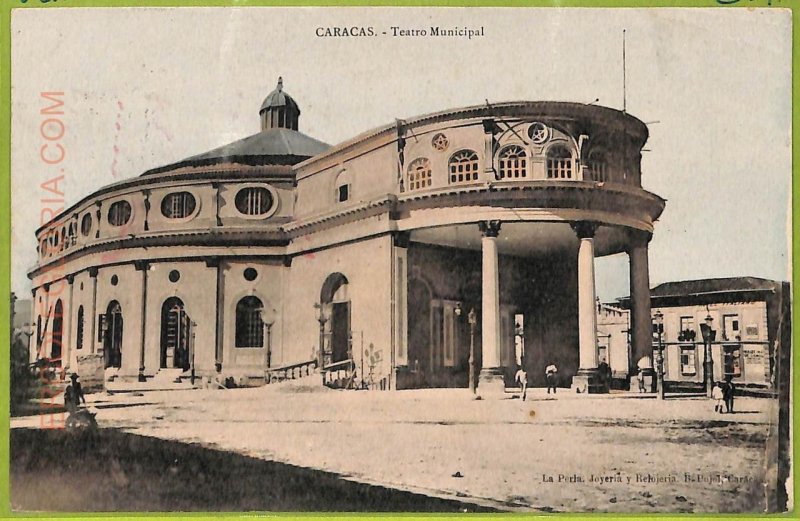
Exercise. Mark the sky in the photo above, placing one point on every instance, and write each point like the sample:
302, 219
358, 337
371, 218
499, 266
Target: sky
147, 87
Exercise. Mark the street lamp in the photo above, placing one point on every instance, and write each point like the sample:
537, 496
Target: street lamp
472, 318
268, 318
192, 347
322, 319
659, 321
708, 364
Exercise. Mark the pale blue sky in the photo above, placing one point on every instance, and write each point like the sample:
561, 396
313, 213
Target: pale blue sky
713, 84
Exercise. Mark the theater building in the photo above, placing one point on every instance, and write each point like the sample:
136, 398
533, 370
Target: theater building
395, 251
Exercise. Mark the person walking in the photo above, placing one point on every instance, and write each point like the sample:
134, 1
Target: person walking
522, 379
550, 373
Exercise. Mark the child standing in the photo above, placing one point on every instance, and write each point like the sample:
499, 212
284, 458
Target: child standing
718, 395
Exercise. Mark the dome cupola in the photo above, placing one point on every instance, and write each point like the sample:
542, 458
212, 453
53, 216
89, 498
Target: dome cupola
279, 110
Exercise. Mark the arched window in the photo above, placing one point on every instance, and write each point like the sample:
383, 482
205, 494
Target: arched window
249, 327
597, 166
559, 162
512, 162
119, 213
419, 174
86, 224
58, 332
254, 200
463, 167
79, 329
178, 205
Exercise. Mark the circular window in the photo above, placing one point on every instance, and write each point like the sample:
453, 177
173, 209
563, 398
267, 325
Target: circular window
174, 276
86, 224
114, 280
178, 205
254, 200
538, 132
440, 142
119, 213
250, 274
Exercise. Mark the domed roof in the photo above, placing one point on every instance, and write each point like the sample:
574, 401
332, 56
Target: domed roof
274, 146
278, 143
278, 98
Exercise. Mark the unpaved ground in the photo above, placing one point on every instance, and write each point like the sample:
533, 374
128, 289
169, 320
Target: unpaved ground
671, 456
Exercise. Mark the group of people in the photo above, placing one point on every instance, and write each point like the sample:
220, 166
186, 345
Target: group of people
722, 394
550, 373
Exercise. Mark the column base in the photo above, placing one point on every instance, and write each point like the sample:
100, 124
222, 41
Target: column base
491, 383
141, 377
588, 381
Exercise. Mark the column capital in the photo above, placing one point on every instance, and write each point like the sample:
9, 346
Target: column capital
93, 272
212, 262
584, 229
638, 238
71, 278
489, 228
489, 126
401, 239
141, 265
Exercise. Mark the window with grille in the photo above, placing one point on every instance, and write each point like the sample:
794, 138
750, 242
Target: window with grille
254, 200
79, 330
559, 162
597, 167
512, 162
249, 327
688, 361
178, 205
463, 167
419, 174
119, 213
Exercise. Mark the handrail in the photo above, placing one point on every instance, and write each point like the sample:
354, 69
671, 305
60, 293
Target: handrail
290, 372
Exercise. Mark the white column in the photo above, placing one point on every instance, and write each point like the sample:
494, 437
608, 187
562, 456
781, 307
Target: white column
586, 378
587, 314
641, 328
490, 380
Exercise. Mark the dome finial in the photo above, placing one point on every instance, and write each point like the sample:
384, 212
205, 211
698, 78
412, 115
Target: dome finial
280, 83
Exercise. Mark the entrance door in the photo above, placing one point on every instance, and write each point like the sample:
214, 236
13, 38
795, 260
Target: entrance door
112, 343
174, 335
340, 331
419, 326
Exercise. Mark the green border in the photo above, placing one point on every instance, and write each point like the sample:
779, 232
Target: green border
5, 228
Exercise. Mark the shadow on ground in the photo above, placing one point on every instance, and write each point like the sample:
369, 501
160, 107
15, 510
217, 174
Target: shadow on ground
109, 470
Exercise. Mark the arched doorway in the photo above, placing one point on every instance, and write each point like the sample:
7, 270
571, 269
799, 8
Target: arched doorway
419, 327
336, 302
112, 339
58, 333
174, 334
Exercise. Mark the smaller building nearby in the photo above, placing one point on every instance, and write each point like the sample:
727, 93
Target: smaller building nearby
750, 323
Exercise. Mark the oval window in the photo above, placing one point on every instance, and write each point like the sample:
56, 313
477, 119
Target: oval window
86, 224
178, 205
254, 200
119, 213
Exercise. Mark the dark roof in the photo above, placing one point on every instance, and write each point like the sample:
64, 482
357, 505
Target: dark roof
278, 98
274, 146
684, 288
